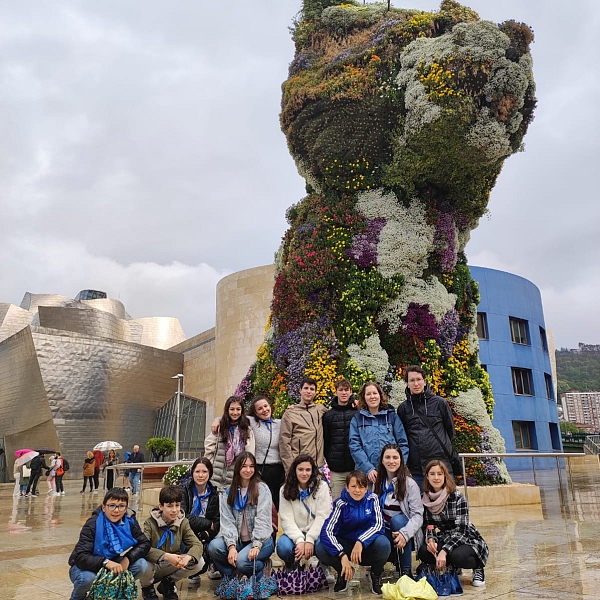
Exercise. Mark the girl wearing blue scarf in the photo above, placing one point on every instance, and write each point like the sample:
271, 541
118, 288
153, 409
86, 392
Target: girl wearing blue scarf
246, 524
200, 503
400, 500
110, 538
304, 505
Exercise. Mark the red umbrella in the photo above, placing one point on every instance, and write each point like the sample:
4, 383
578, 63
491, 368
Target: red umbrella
22, 451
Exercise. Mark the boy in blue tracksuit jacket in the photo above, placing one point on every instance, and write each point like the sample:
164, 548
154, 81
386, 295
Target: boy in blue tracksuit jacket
355, 524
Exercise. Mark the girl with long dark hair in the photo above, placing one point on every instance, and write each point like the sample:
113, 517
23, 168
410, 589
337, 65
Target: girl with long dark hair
246, 526
400, 500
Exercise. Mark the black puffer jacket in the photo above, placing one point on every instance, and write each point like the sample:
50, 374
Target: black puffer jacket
422, 445
83, 553
336, 427
201, 525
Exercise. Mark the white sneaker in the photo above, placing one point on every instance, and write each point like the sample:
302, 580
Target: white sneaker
194, 580
478, 578
213, 573
62, 493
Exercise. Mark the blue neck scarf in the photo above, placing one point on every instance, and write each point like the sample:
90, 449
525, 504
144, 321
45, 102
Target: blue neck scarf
268, 422
167, 534
240, 503
304, 494
197, 508
386, 490
112, 539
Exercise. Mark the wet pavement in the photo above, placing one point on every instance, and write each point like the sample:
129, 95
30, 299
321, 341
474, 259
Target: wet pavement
547, 552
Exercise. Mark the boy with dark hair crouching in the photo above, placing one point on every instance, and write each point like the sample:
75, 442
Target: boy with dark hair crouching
168, 530
110, 538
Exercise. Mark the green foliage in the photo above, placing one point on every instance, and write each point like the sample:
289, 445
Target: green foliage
578, 370
160, 447
568, 427
521, 36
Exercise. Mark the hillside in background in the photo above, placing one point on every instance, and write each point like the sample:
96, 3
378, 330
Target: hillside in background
578, 369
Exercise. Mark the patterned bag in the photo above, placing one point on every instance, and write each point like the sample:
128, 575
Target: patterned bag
445, 583
300, 580
246, 588
108, 586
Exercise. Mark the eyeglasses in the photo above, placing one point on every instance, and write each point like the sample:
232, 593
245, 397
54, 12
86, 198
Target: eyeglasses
116, 506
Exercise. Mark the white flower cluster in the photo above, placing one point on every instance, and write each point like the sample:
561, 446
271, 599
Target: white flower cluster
406, 241
371, 358
340, 19
422, 291
279, 260
397, 394
489, 136
310, 178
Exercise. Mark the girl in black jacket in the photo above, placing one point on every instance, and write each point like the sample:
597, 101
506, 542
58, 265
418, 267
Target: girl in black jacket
110, 538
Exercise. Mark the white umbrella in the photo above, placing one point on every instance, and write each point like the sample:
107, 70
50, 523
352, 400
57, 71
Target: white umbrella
25, 458
108, 445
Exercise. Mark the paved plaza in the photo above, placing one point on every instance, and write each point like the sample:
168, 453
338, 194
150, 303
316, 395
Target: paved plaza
552, 552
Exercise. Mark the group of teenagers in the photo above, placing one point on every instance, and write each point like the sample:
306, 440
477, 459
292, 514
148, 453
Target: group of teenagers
355, 484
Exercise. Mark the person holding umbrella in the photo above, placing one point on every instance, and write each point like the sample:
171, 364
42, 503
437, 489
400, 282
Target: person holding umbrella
112, 459
21, 470
38, 464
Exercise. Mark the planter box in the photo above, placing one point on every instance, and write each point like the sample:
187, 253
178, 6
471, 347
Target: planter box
504, 495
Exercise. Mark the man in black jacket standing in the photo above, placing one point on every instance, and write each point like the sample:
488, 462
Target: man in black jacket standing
336, 427
37, 465
422, 408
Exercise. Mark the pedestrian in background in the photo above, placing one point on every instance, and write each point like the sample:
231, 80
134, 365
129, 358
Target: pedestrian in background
89, 464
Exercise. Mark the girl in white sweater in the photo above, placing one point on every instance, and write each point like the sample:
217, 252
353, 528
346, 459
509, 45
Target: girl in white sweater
304, 504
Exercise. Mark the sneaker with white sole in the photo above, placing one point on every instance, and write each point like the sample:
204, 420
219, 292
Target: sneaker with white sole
194, 580
478, 578
376, 583
329, 576
341, 585
213, 573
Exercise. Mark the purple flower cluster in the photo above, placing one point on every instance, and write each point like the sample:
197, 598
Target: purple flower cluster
364, 244
419, 322
445, 242
244, 388
303, 61
380, 32
448, 333
342, 56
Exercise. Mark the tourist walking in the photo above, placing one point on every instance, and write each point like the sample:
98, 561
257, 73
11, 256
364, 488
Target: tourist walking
89, 465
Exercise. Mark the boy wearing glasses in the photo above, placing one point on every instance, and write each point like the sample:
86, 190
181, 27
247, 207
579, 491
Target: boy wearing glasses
168, 531
110, 538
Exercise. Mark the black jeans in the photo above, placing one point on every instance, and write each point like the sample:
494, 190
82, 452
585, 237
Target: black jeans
89, 478
463, 557
96, 478
273, 475
59, 483
33, 481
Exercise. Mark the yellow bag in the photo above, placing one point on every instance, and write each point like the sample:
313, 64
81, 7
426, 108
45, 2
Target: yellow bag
407, 589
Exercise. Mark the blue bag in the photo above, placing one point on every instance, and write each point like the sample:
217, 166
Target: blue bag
445, 583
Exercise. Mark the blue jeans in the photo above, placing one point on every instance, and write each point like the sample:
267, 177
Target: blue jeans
82, 580
374, 555
218, 552
397, 523
285, 550
134, 480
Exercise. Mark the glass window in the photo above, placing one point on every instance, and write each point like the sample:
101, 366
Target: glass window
521, 433
549, 386
543, 339
522, 382
482, 329
518, 331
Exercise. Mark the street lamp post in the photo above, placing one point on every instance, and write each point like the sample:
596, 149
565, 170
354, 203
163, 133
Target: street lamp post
179, 378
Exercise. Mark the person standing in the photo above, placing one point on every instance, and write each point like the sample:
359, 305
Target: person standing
111, 460
38, 464
51, 475
60, 472
374, 426
134, 474
425, 416
88, 471
336, 436
302, 428
99, 460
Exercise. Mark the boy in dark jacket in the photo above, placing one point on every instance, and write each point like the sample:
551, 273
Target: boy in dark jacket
110, 538
38, 464
168, 531
336, 427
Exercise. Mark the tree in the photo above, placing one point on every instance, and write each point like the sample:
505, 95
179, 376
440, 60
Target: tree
160, 447
568, 427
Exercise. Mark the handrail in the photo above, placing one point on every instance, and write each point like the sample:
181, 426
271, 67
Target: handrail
532, 455
591, 442
142, 466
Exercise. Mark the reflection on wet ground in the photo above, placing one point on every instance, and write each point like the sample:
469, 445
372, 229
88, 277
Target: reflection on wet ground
547, 552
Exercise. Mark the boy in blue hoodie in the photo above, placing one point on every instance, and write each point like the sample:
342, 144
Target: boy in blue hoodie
354, 525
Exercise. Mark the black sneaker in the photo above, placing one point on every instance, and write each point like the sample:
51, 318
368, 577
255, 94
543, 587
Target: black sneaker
478, 578
341, 585
406, 572
167, 588
376, 583
149, 593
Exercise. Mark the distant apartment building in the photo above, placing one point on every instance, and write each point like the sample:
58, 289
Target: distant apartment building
583, 409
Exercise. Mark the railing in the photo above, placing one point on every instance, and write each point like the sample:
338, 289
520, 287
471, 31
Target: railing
146, 465
592, 444
557, 455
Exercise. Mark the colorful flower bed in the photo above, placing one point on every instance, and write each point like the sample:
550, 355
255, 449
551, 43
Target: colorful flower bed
400, 122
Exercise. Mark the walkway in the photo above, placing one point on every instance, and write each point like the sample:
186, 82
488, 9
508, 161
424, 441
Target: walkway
552, 553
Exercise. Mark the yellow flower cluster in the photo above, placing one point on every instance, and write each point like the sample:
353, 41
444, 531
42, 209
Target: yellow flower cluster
338, 239
433, 368
420, 24
439, 81
323, 369
349, 177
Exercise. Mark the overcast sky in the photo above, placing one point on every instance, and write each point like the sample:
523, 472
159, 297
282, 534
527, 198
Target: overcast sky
142, 155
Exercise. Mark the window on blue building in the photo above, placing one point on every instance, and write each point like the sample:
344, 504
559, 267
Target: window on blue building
543, 339
522, 435
519, 331
549, 386
482, 329
522, 381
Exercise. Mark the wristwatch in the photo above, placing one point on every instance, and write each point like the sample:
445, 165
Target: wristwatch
104, 562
